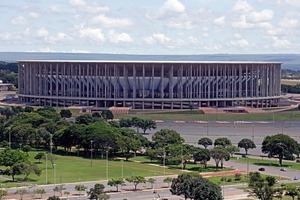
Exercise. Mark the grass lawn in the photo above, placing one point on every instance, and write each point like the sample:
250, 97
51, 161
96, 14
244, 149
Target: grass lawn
197, 116
189, 166
268, 162
77, 169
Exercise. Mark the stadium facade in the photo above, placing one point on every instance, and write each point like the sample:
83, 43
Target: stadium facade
149, 84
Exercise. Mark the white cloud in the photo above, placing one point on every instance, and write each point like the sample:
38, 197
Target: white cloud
55, 8
242, 23
220, 21
92, 34
288, 23
242, 6
170, 9
42, 32
157, 38
77, 2
281, 43
8, 36
34, 15
119, 37
293, 2
59, 37
110, 22
180, 24
240, 42
20, 20
263, 16
79, 51
94, 9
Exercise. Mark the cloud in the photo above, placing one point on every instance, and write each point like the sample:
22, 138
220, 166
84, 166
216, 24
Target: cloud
243, 43
242, 23
171, 8
293, 2
119, 37
220, 21
288, 23
157, 38
180, 24
34, 15
263, 16
242, 6
77, 2
20, 20
59, 37
110, 22
42, 32
281, 43
94, 34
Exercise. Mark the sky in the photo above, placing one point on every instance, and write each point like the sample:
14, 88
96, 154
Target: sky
150, 26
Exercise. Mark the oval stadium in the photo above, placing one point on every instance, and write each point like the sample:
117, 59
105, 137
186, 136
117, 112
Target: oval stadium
149, 84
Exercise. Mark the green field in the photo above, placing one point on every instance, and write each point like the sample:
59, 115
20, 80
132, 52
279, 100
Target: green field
197, 116
77, 169
268, 162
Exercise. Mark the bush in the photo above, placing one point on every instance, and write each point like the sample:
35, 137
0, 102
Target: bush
237, 177
223, 179
229, 180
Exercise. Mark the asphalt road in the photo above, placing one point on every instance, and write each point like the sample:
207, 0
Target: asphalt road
235, 131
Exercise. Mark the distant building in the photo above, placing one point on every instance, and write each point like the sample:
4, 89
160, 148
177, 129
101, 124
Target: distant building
149, 84
6, 86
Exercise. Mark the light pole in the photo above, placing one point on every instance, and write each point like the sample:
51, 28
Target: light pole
9, 139
46, 168
252, 132
54, 177
164, 162
107, 164
91, 153
181, 159
207, 128
51, 143
122, 168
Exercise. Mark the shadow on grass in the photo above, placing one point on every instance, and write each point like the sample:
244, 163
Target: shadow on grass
271, 164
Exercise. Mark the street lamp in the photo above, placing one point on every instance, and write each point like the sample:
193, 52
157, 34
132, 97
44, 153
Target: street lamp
91, 153
107, 164
46, 168
54, 174
122, 168
252, 132
164, 162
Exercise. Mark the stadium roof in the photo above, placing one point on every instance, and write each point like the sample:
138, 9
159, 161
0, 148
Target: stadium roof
150, 61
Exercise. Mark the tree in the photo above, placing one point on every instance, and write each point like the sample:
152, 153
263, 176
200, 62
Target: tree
280, 145
40, 191
146, 124
22, 192
2, 193
202, 155
80, 188
262, 188
39, 156
97, 192
292, 191
125, 122
28, 109
84, 119
52, 158
27, 148
151, 181
168, 180
128, 144
219, 154
232, 149
28, 168
205, 142
107, 114
59, 188
65, 113
246, 144
165, 137
53, 198
116, 182
195, 187
136, 180
10, 157
222, 141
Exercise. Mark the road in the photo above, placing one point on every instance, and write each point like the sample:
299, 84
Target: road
192, 131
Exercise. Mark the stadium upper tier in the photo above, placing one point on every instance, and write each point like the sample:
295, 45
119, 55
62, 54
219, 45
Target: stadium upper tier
149, 84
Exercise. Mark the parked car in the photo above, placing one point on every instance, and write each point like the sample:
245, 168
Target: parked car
262, 169
283, 169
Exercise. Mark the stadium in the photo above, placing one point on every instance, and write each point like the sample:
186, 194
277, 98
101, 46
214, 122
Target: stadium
149, 84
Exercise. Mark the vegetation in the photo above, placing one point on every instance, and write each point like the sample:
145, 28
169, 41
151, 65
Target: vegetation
195, 187
246, 144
